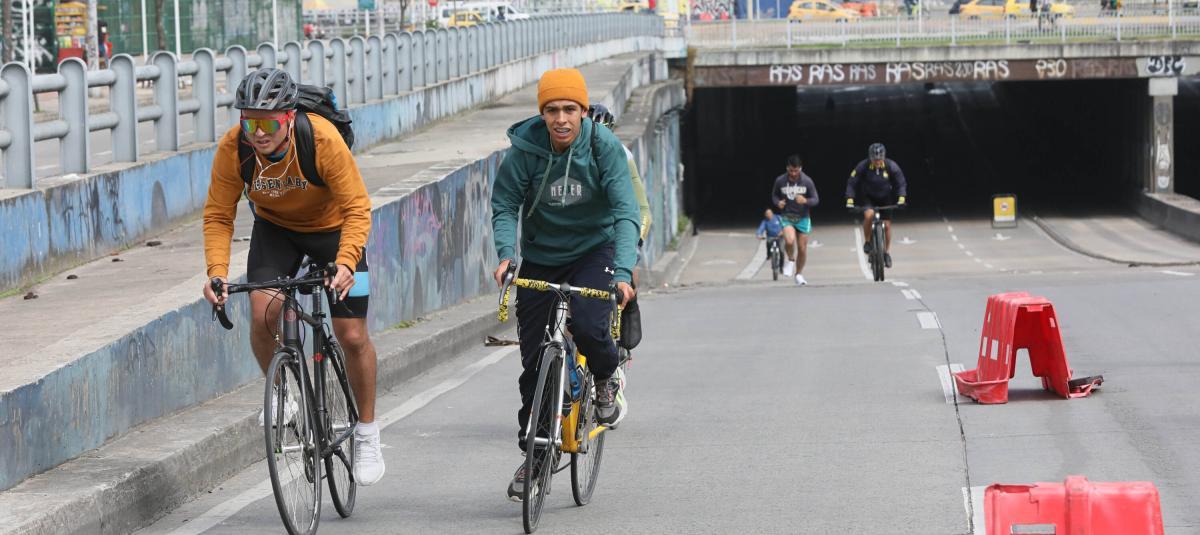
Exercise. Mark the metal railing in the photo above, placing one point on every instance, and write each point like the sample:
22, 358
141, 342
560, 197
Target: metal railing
357, 69
1135, 23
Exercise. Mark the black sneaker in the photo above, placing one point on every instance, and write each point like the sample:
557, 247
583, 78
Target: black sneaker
610, 403
516, 489
867, 247
887, 260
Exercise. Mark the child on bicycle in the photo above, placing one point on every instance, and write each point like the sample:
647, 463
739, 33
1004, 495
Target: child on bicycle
770, 227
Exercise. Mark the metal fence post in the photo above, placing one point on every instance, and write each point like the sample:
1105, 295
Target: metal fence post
788, 28
294, 67
391, 64
953, 31
18, 120
358, 70
374, 68
338, 64
444, 56
454, 58
1118, 25
166, 95
1171, 17
123, 101
266, 53
418, 59
316, 63
73, 150
431, 52
897, 29
1062, 31
204, 88
473, 48
237, 71
404, 50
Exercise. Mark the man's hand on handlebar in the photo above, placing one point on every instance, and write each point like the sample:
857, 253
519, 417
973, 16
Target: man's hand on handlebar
627, 292
501, 271
212, 296
901, 202
850, 204
342, 282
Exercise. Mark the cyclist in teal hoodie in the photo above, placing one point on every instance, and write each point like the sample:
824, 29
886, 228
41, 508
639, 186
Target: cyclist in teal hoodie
567, 181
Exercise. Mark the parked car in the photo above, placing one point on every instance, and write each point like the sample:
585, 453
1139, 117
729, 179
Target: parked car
465, 19
996, 9
821, 10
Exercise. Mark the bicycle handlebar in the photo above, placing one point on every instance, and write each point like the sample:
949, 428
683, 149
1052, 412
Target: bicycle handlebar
861, 209
563, 288
313, 279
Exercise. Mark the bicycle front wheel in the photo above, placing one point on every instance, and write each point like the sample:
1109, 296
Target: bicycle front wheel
540, 460
340, 419
878, 251
775, 266
585, 466
292, 456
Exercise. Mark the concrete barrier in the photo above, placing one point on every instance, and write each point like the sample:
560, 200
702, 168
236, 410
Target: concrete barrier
1178, 214
70, 220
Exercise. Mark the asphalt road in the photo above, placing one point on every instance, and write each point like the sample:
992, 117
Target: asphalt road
764, 407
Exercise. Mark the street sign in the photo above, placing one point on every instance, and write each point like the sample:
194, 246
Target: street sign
1004, 210
366, 5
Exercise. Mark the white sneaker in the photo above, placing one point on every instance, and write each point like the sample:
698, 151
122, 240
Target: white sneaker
368, 459
800, 280
789, 268
289, 410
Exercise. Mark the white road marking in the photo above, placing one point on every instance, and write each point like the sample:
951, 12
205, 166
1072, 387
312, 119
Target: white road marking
900, 284
814, 244
976, 259
915, 294
928, 319
45, 167
945, 376
907, 241
950, 229
989, 266
718, 262
1001, 237
969, 253
961, 246
1177, 273
695, 243
211, 518
104, 153
954, 237
973, 503
908, 294
756, 262
862, 258
740, 234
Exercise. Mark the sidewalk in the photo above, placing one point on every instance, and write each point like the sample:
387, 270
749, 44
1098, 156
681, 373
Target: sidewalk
113, 296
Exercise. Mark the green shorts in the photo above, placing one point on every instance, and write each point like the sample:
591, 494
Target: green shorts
802, 224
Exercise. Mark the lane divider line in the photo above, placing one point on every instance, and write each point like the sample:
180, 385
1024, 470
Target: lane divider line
756, 263
945, 376
973, 502
928, 319
899, 284
969, 253
954, 237
222, 511
908, 294
1178, 273
862, 257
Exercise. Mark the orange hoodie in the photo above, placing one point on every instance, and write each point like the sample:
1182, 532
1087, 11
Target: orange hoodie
282, 196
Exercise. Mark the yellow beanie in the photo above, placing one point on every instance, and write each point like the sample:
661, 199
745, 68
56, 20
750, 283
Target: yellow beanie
562, 84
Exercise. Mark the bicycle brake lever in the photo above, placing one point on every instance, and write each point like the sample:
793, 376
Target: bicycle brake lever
219, 315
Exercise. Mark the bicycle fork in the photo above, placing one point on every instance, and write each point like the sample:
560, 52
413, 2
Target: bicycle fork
555, 330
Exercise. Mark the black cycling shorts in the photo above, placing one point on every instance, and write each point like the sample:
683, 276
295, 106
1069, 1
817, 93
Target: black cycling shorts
871, 202
277, 252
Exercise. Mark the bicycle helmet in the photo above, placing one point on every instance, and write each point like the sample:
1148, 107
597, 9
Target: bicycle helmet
268, 90
599, 114
876, 151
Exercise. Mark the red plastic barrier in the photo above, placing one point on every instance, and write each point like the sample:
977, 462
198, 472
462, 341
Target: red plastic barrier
1076, 507
1015, 321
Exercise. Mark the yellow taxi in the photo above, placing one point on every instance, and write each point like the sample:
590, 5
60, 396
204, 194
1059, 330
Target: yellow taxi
465, 19
995, 9
821, 10
636, 6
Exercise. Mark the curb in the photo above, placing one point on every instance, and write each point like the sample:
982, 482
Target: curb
136, 479
667, 270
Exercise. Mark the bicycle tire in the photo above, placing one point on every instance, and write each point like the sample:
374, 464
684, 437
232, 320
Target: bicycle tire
539, 463
775, 267
877, 251
339, 404
585, 467
295, 479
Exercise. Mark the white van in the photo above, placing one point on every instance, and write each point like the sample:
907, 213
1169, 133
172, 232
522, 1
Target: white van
491, 11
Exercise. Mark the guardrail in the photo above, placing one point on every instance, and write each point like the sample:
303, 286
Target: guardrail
357, 69
1141, 23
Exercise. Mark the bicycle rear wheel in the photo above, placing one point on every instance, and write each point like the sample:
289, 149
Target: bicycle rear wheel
540, 460
291, 442
585, 466
340, 419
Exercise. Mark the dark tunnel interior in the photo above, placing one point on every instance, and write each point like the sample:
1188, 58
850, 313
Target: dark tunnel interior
1070, 147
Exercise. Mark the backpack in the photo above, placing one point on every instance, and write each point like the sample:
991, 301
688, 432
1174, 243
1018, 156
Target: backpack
312, 99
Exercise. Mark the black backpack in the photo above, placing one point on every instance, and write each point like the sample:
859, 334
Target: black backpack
312, 99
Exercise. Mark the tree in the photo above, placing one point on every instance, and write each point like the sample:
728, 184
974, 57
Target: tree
158, 24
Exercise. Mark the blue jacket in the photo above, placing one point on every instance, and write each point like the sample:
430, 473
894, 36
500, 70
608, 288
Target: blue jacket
771, 227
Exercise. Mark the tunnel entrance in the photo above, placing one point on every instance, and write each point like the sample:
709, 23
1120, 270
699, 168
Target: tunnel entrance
1057, 145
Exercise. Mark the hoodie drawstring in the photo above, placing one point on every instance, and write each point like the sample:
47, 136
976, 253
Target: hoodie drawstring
550, 165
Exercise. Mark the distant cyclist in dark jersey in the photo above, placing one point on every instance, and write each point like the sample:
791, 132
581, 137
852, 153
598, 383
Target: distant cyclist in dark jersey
795, 195
877, 181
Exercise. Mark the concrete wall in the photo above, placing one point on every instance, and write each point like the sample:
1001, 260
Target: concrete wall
783, 56
656, 144
430, 247
1176, 213
70, 221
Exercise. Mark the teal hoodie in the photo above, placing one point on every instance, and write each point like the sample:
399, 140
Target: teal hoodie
568, 203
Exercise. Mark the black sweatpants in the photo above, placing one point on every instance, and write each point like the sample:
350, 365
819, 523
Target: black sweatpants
589, 319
